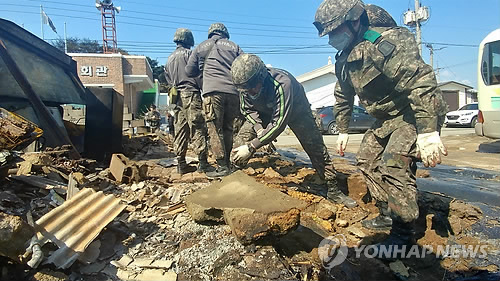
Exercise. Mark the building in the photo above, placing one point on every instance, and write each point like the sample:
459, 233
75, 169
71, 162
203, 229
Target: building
457, 94
319, 86
127, 74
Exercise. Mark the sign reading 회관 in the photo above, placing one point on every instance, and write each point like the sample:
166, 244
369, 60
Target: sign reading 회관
100, 71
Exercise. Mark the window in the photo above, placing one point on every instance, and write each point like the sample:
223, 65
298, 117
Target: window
469, 107
490, 66
359, 110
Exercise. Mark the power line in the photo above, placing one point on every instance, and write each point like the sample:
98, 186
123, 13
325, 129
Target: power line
216, 12
166, 27
174, 16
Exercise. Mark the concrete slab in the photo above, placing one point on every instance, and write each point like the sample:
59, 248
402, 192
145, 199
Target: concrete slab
251, 209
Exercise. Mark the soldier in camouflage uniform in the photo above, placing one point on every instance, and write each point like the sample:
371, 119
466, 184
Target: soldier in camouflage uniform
271, 99
382, 65
213, 59
188, 112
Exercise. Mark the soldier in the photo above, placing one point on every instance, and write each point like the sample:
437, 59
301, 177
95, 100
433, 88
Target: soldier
153, 118
382, 65
213, 58
188, 114
270, 100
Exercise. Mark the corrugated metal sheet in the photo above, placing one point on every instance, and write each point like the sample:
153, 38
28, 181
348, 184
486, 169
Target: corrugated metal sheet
76, 223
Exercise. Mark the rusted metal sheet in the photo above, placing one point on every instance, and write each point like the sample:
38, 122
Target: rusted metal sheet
76, 223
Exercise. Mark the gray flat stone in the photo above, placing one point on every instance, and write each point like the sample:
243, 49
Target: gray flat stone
251, 209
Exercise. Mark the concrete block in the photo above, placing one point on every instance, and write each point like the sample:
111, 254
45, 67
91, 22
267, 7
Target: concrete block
251, 209
137, 123
141, 130
117, 166
127, 117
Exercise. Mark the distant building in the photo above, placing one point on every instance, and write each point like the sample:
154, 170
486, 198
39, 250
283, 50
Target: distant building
457, 94
126, 74
319, 85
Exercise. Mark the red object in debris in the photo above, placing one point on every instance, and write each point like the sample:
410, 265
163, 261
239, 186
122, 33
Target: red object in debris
322, 115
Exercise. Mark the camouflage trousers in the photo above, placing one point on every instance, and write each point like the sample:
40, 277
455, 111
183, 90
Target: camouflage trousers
305, 129
189, 124
221, 110
389, 166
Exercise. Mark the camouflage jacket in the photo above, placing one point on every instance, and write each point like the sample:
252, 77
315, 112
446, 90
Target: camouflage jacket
391, 80
175, 71
281, 100
214, 63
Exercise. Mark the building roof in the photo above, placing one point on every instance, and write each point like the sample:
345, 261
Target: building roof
329, 68
454, 82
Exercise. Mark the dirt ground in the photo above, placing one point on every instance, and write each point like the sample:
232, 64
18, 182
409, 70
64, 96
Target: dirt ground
155, 238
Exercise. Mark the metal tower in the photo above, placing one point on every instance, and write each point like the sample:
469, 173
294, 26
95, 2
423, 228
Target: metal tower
109, 43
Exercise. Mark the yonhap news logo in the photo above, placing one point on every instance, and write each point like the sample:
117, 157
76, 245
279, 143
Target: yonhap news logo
333, 251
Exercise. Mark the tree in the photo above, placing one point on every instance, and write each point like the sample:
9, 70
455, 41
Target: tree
157, 68
82, 45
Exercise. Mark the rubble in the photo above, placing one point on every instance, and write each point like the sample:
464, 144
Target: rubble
249, 226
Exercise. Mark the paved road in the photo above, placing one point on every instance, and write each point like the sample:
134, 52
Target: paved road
462, 144
355, 139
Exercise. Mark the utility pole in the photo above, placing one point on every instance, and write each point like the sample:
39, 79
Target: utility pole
417, 28
41, 20
65, 40
431, 54
414, 19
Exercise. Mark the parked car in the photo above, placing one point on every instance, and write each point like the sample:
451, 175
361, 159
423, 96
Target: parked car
360, 120
465, 116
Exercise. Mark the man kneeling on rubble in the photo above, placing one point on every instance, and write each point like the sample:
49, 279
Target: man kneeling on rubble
271, 99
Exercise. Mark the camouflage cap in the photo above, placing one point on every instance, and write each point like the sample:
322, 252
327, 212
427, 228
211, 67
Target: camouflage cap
218, 28
378, 17
185, 36
247, 71
332, 13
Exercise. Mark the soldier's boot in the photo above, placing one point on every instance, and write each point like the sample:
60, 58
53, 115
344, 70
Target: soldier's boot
183, 167
383, 221
222, 169
398, 243
203, 165
336, 196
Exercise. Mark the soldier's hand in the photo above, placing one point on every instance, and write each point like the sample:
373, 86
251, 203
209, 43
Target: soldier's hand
342, 143
430, 147
241, 154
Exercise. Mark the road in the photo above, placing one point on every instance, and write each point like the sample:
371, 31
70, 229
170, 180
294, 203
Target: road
462, 145
355, 139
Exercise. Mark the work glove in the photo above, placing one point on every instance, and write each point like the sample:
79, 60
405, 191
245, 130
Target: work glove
430, 147
342, 143
241, 154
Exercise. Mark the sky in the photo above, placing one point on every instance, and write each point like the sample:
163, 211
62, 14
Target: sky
279, 31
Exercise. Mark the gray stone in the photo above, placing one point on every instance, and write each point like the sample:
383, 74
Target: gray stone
14, 234
251, 209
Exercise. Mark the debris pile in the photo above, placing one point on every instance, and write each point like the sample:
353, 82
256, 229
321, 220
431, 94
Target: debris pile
137, 219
